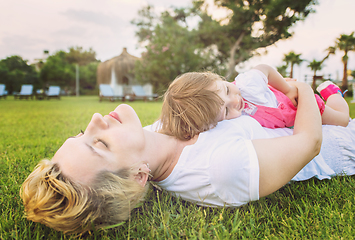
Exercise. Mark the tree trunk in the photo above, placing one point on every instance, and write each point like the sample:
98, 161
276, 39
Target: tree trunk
291, 72
314, 80
231, 62
344, 85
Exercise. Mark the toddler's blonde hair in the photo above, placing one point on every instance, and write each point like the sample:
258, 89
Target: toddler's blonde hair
190, 106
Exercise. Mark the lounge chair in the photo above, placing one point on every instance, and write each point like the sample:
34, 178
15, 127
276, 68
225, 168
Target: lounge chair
106, 91
3, 92
26, 92
53, 92
139, 93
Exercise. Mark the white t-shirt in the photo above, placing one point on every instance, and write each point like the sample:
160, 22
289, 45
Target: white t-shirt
253, 86
221, 168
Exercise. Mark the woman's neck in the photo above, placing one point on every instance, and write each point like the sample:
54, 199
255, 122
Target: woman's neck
163, 153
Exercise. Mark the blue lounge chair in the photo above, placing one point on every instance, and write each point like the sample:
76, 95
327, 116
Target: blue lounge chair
26, 92
106, 91
3, 92
139, 93
53, 92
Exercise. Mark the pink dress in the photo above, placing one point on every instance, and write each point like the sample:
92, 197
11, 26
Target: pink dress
280, 117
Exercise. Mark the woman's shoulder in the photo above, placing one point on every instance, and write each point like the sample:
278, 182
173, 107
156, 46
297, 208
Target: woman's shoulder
155, 127
243, 126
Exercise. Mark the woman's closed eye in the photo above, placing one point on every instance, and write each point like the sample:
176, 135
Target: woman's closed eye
101, 142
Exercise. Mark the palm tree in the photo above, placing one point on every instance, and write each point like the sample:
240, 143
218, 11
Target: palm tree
292, 58
282, 70
345, 43
315, 66
330, 50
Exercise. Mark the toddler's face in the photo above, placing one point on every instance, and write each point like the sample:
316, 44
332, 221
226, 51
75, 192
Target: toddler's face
233, 101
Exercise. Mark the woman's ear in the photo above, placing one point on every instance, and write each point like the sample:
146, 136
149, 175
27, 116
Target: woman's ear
142, 175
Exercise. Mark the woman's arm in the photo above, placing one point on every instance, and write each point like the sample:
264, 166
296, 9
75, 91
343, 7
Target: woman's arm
276, 80
280, 159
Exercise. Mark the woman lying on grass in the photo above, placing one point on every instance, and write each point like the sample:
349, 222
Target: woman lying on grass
99, 176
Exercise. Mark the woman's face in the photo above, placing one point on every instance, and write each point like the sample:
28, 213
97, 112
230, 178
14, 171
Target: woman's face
112, 142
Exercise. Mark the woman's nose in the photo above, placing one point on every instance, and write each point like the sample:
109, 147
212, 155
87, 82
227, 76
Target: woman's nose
97, 121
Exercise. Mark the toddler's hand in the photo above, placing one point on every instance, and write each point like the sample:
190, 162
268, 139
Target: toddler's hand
292, 94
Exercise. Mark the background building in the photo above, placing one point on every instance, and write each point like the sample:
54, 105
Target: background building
119, 73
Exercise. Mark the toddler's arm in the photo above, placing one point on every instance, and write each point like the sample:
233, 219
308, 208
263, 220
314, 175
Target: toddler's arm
277, 81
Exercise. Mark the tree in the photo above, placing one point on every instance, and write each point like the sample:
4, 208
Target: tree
282, 70
330, 50
216, 44
170, 48
315, 66
345, 43
250, 24
59, 69
81, 57
14, 71
291, 59
88, 78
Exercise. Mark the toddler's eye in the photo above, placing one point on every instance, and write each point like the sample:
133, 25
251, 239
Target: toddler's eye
226, 112
227, 90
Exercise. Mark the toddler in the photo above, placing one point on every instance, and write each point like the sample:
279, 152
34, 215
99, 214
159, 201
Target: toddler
195, 102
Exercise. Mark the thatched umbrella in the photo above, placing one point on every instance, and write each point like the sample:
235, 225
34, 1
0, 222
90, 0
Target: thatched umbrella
118, 70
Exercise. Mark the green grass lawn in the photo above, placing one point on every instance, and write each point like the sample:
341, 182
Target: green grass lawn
31, 130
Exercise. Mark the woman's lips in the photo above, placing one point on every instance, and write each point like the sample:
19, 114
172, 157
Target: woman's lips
115, 116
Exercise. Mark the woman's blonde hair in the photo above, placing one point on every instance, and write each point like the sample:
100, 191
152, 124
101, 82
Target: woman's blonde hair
53, 199
190, 106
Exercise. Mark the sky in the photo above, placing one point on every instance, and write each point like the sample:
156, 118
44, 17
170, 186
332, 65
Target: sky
28, 27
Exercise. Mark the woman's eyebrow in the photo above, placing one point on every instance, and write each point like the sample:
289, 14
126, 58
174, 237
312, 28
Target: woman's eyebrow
77, 134
72, 137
